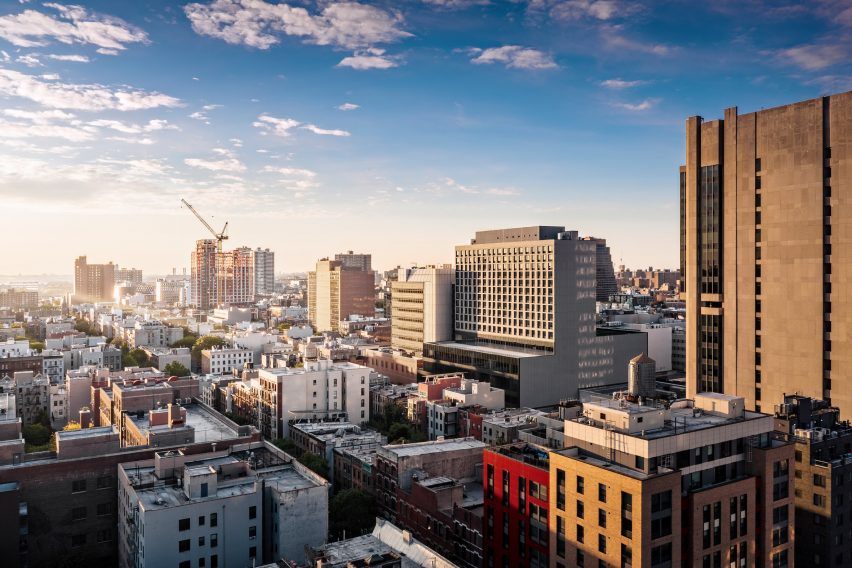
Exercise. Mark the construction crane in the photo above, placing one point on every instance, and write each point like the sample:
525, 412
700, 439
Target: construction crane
221, 236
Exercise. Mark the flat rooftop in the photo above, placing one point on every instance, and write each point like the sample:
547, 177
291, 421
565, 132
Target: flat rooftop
86, 432
207, 426
575, 454
435, 447
517, 352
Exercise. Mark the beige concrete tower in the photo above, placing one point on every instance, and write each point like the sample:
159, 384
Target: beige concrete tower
768, 231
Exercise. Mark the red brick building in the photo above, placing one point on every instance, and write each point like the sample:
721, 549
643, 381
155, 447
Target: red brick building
516, 478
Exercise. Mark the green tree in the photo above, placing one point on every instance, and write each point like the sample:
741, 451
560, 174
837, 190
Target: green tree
36, 437
141, 358
188, 340
351, 513
176, 369
315, 463
399, 431
202, 343
286, 445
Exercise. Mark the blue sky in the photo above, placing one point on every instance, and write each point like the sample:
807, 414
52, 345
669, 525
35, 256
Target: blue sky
397, 128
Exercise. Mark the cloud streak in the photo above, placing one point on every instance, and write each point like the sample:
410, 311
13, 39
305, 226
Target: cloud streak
72, 25
259, 24
88, 97
283, 127
513, 57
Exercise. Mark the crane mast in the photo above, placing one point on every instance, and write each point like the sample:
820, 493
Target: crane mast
220, 236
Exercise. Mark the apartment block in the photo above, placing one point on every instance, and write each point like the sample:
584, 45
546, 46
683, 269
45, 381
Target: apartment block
93, 282
264, 271
338, 290
203, 281
763, 194
64, 506
272, 399
234, 508
605, 285
18, 299
516, 481
423, 307
823, 473
524, 317
326, 439
433, 489
130, 275
700, 483
224, 360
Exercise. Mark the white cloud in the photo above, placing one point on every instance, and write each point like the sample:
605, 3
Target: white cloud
813, 57
91, 97
619, 84
30, 60
456, 4
348, 106
593, 9
73, 58
236, 142
129, 128
324, 132
225, 165
72, 24
372, 58
105, 51
514, 56
257, 23
298, 172
277, 126
129, 140
647, 104
613, 39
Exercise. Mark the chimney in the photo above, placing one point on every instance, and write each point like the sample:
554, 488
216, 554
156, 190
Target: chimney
85, 418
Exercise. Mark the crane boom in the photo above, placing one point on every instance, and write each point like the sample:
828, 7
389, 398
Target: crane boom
219, 236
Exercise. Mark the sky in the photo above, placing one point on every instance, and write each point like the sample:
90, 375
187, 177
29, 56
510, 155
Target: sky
397, 128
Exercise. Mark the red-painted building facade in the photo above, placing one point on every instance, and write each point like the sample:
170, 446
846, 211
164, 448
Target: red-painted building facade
515, 479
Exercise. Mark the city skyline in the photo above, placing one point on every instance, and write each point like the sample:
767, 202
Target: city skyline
299, 122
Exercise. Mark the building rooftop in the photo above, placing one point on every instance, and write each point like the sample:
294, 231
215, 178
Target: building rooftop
577, 454
480, 347
434, 447
205, 423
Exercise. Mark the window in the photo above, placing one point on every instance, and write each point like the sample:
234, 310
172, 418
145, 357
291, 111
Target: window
184, 545
253, 512
819, 500
185, 564
602, 543
819, 480
78, 486
78, 513
213, 519
104, 535
183, 524
779, 559
780, 514
506, 480
103, 509
581, 483
201, 521
104, 482
626, 514
252, 533
601, 518
214, 561
202, 562
560, 537
214, 540
201, 541
661, 555
78, 540
253, 552
560, 489
601, 492
779, 536
581, 510
581, 534
626, 555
